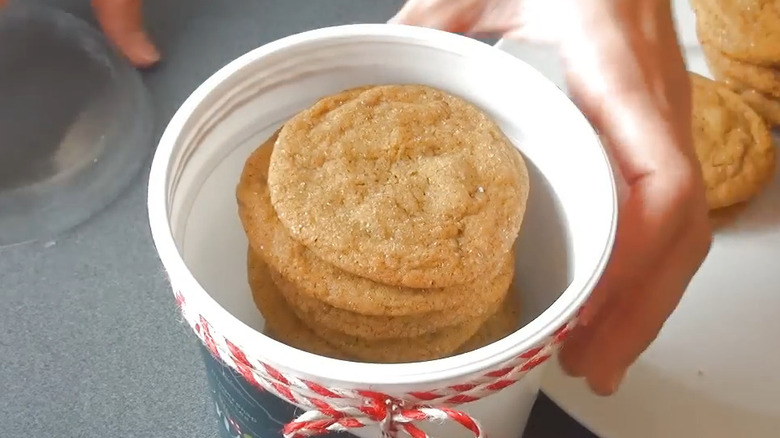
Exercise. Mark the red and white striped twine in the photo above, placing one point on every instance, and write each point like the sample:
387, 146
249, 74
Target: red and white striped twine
341, 410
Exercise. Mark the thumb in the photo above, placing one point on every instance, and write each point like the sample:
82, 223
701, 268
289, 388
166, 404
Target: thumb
121, 21
536, 21
458, 16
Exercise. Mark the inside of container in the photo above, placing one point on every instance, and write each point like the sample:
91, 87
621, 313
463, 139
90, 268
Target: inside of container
563, 235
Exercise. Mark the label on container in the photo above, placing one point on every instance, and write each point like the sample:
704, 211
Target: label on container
244, 411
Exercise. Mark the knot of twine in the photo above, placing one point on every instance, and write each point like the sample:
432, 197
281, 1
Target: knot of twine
342, 410
390, 415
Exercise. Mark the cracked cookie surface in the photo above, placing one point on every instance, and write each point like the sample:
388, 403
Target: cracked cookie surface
733, 144
401, 184
760, 78
765, 106
747, 30
324, 282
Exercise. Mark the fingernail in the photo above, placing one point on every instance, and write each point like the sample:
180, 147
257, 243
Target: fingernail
617, 381
142, 50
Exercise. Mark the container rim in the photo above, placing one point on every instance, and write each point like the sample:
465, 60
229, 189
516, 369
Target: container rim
345, 373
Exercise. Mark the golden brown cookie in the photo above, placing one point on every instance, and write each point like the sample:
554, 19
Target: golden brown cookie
726, 216
763, 79
765, 106
385, 327
284, 326
747, 30
733, 144
505, 322
280, 322
326, 283
402, 184
427, 346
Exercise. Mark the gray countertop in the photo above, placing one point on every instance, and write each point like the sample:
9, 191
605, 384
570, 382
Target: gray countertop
90, 340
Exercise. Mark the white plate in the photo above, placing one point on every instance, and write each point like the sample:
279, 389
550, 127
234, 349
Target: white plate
713, 371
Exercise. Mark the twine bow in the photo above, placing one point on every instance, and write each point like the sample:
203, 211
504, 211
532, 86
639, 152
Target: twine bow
390, 415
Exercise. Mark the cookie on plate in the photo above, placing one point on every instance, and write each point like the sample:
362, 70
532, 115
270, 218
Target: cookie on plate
402, 184
745, 30
724, 217
760, 78
765, 106
733, 144
326, 283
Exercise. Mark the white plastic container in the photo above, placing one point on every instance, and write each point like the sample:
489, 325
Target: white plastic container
563, 247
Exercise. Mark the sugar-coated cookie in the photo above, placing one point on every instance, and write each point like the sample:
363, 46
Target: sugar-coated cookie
402, 184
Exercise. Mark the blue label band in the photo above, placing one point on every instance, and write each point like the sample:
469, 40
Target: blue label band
244, 411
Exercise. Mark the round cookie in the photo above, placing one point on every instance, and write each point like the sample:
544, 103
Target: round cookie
281, 323
388, 327
324, 282
287, 328
747, 30
401, 184
429, 346
763, 79
732, 142
723, 217
498, 326
766, 107
283, 326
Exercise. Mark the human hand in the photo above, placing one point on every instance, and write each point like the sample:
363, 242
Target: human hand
625, 71
121, 22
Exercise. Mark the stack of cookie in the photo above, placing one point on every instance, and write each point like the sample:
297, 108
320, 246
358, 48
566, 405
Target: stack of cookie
381, 224
741, 42
733, 143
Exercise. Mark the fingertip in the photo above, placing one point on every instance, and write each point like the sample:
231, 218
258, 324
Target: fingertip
608, 385
573, 354
136, 47
578, 358
620, 337
122, 23
397, 19
141, 52
437, 14
403, 15
568, 367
